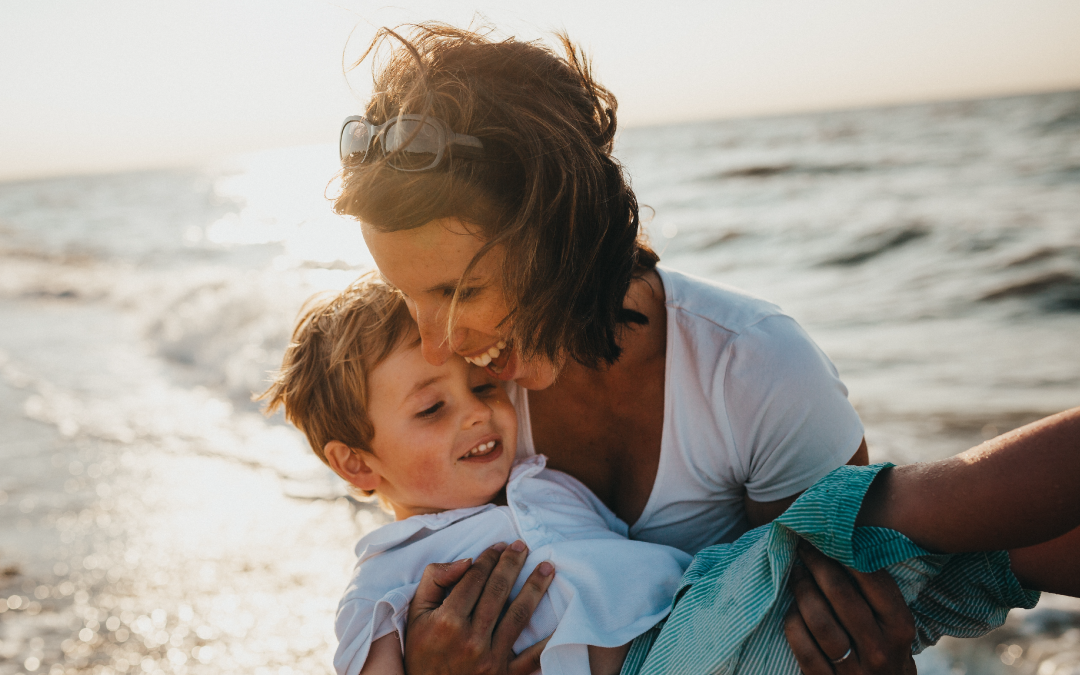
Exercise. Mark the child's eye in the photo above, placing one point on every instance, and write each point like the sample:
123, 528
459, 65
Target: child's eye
428, 412
484, 389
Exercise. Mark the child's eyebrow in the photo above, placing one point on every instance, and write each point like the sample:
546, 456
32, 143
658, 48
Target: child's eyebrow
423, 383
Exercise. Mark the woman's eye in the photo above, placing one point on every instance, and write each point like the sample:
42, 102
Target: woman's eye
463, 295
428, 412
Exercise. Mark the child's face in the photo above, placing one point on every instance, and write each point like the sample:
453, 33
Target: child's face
445, 435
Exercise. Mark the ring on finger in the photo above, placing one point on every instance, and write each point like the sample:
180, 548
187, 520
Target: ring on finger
843, 658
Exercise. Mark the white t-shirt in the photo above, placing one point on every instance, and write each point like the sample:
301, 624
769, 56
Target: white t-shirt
751, 406
607, 589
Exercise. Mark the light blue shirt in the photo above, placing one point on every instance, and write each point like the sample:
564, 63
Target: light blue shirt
727, 616
607, 589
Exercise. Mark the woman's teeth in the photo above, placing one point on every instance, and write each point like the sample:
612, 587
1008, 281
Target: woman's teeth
487, 357
482, 449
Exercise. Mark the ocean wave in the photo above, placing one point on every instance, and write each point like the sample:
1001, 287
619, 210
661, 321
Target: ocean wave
184, 420
771, 170
872, 245
1055, 291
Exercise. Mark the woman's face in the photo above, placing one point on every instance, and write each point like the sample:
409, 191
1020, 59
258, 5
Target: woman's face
425, 264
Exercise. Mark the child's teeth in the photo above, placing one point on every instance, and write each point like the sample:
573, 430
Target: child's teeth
482, 448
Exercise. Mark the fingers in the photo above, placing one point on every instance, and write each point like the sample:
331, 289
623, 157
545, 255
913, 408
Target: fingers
433, 584
462, 599
868, 608
888, 604
807, 653
497, 589
840, 592
520, 611
528, 661
827, 636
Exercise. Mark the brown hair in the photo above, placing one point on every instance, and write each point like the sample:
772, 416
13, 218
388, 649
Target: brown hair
338, 340
548, 190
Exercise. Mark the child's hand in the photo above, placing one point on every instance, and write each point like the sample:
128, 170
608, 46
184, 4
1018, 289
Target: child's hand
459, 632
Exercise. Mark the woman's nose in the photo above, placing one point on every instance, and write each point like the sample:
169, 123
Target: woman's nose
434, 345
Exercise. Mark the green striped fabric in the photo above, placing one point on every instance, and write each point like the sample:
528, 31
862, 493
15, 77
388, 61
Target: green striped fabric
727, 616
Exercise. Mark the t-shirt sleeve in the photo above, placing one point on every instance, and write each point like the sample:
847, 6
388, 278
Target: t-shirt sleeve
361, 621
791, 422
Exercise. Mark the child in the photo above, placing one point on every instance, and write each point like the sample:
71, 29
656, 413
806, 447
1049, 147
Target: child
436, 444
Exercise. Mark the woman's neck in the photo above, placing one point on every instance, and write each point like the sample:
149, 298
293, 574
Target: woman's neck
604, 426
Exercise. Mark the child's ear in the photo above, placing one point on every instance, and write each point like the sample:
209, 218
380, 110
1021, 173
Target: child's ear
350, 465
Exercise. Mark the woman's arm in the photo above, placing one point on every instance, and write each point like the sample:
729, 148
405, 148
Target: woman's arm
1017, 490
1053, 566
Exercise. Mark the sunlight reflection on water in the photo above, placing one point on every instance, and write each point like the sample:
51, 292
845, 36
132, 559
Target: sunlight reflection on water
178, 563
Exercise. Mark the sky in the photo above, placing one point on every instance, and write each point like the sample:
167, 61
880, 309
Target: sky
122, 84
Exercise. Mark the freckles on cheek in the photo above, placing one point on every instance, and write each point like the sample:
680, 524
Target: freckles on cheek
423, 476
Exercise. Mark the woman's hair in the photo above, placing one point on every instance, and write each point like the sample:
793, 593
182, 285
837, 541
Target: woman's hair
337, 342
547, 191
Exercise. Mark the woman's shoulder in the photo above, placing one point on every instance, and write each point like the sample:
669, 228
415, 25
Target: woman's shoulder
697, 300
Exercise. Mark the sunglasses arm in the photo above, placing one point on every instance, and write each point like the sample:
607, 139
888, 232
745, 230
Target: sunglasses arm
466, 146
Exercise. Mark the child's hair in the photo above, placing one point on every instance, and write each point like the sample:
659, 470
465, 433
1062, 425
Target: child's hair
338, 340
548, 190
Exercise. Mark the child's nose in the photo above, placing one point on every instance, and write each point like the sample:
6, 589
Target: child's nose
479, 412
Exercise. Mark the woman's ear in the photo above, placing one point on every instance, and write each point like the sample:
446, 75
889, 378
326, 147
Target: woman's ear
350, 465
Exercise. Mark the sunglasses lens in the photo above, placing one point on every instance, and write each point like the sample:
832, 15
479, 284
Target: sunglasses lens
412, 145
354, 139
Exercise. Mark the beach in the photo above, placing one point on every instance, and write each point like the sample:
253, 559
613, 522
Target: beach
153, 521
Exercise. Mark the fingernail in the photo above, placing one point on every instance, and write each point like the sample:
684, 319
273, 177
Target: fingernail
545, 568
518, 546
500, 547
467, 561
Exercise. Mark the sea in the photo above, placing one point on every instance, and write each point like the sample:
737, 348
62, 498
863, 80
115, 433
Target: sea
153, 520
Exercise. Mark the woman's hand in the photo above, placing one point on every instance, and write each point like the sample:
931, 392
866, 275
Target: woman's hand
460, 632
846, 622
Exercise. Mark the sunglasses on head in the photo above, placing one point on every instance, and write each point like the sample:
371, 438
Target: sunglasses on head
408, 142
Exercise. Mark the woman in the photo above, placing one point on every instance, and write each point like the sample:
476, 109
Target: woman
482, 176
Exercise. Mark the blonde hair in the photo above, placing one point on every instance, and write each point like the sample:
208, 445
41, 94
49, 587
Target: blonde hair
338, 340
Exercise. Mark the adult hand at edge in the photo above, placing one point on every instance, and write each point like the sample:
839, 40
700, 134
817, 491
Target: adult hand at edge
459, 632
837, 609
